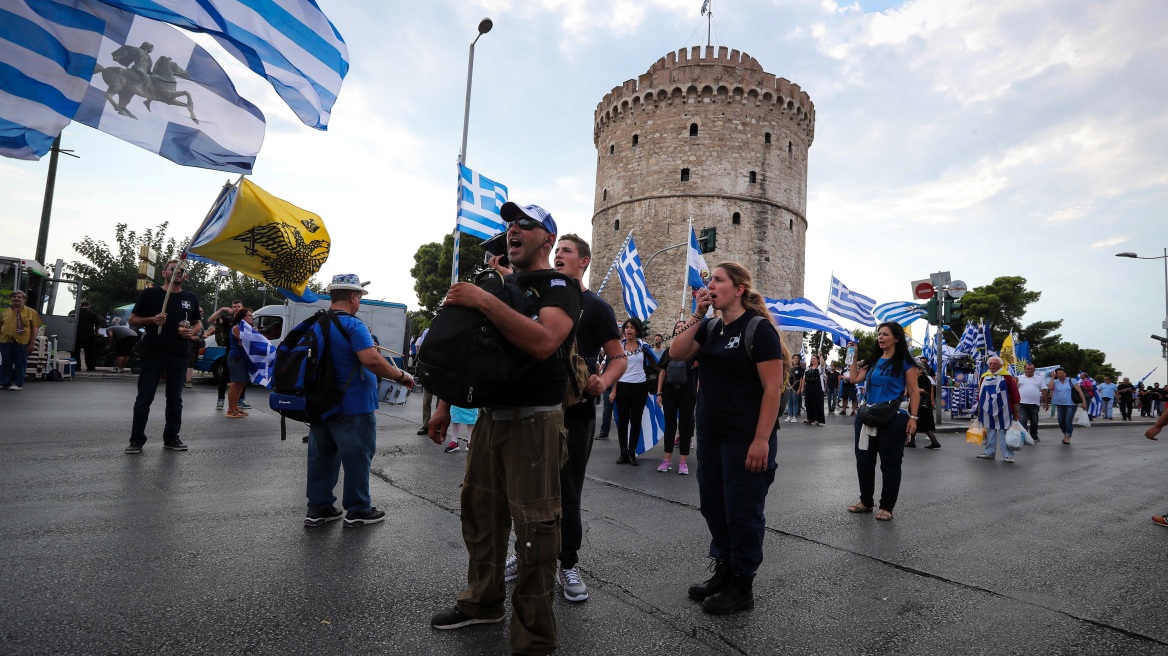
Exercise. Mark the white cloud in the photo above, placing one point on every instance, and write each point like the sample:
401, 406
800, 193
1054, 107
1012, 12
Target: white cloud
1107, 243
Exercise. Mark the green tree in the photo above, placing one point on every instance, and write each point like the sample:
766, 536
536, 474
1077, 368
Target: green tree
1074, 359
865, 342
819, 342
1001, 304
1039, 335
431, 271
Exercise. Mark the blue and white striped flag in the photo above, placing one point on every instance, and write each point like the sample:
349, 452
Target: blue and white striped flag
929, 349
261, 355
480, 199
901, 312
289, 42
968, 341
48, 51
652, 425
850, 305
800, 314
1146, 375
638, 301
698, 269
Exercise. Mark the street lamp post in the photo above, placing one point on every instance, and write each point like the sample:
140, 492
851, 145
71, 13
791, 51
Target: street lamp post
485, 26
1164, 325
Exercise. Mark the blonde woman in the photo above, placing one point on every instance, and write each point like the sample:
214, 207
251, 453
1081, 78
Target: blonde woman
741, 377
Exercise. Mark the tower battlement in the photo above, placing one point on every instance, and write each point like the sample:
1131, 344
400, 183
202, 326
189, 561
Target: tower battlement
706, 74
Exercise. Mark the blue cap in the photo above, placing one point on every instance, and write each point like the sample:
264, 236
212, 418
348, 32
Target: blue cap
511, 211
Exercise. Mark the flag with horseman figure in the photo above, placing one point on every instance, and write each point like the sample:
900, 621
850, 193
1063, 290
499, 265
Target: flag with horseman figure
262, 236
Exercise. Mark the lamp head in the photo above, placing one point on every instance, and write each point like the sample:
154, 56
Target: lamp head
485, 25
1126, 254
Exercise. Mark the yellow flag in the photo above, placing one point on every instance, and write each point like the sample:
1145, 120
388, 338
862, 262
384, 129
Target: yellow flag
264, 237
1008, 350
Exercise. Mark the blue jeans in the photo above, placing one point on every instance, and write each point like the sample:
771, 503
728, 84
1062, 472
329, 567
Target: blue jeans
733, 501
15, 362
831, 397
347, 441
996, 437
792, 403
1066, 418
151, 369
1108, 406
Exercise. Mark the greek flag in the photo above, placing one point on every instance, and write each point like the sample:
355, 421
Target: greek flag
698, 269
901, 312
705, 7
48, 51
928, 349
289, 42
800, 314
968, 342
1146, 375
261, 355
638, 301
652, 425
478, 206
849, 304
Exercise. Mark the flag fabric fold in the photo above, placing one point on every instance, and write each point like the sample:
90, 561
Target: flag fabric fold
264, 237
652, 425
480, 200
850, 305
638, 301
48, 51
901, 312
291, 43
698, 270
928, 348
801, 315
261, 355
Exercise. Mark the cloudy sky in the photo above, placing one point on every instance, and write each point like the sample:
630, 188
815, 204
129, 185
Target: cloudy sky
989, 138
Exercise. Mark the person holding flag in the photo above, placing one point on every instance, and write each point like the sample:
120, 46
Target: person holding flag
741, 375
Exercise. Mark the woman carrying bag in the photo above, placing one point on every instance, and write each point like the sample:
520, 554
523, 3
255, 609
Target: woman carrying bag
740, 373
677, 400
881, 426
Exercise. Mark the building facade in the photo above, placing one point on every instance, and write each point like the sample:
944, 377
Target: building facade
705, 134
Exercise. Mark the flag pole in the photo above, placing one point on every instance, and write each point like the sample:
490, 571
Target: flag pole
614, 261
485, 26
211, 212
685, 270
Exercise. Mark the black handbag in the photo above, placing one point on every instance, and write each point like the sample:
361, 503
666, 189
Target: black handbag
879, 415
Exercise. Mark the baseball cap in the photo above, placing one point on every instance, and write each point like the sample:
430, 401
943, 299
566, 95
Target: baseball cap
347, 281
512, 211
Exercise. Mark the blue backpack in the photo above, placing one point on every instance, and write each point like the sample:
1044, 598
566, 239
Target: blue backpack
303, 385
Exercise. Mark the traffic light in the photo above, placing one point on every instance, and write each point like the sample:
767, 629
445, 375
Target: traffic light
931, 311
708, 240
952, 311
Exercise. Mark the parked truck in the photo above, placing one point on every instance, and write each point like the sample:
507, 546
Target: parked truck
386, 321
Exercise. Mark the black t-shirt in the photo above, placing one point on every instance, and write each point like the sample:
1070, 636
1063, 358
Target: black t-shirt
548, 381
811, 379
832, 379
1125, 390
926, 386
597, 327
182, 305
731, 396
796, 374
86, 323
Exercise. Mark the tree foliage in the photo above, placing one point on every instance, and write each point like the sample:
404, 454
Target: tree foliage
1001, 304
865, 342
819, 342
431, 271
1074, 359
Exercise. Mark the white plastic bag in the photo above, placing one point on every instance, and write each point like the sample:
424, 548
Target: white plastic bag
1081, 418
1014, 436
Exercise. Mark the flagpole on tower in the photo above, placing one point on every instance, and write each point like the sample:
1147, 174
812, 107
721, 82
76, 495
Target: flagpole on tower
485, 26
708, 12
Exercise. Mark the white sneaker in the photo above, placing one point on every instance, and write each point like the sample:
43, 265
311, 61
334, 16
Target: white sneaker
574, 588
15, 388
511, 568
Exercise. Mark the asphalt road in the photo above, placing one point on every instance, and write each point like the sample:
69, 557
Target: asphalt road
204, 552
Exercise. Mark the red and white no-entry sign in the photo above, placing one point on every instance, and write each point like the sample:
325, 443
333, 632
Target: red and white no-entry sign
922, 289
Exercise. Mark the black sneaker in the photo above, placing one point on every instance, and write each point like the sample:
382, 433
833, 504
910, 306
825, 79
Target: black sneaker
318, 515
174, 445
356, 518
134, 448
423, 431
456, 619
602, 436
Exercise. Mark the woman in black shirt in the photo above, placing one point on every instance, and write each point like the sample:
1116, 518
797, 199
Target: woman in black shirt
812, 391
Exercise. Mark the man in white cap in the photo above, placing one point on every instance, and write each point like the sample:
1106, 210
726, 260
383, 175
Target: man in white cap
349, 438
502, 483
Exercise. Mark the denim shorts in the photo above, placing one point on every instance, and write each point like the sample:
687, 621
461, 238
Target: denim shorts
237, 368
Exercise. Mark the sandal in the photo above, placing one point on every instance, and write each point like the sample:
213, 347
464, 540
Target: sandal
883, 515
238, 414
859, 508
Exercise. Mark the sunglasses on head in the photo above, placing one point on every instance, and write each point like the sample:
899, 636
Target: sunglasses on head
527, 223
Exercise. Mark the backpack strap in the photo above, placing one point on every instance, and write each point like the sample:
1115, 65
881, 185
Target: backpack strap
334, 315
748, 335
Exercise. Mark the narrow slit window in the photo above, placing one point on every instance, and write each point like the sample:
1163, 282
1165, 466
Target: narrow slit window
790, 148
790, 224
616, 224
605, 195
766, 138
693, 129
636, 138
736, 218
685, 175
753, 177
611, 149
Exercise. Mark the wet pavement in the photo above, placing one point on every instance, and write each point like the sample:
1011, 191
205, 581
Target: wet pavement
204, 552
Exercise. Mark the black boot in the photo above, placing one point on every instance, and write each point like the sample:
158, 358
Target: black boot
712, 585
738, 594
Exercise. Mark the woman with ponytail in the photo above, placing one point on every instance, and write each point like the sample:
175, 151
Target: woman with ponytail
741, 377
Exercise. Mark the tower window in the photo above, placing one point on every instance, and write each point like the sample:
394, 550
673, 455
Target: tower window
693, 129
605, 195
790, 224
616, 224
766, 138
636, 138
685, 175
736, 219
611, 149
790, 148
753, 177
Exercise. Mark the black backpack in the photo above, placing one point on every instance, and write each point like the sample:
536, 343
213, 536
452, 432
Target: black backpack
466, 361
304, 387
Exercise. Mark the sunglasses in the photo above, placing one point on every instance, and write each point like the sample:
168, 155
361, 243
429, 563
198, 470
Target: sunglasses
527, 223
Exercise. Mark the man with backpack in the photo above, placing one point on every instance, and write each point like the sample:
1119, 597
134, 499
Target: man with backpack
348, 436
513, 470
